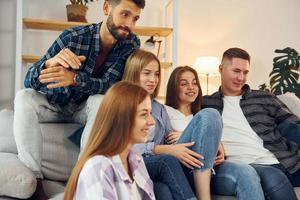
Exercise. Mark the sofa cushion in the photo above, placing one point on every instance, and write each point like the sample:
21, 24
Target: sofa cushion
291, 101
16, 180
7, 141
59, 153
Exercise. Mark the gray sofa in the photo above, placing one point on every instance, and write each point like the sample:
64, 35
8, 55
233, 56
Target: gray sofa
59, 156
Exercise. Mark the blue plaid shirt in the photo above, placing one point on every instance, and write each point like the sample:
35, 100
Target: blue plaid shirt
83, 40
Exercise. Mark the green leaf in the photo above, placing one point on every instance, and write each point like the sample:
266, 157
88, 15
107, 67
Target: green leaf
285, 74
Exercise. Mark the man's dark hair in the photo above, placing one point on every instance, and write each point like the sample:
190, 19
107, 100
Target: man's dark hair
139, 3
236, 53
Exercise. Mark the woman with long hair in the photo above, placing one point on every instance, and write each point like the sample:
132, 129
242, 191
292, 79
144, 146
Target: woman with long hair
110, 167
196, 148
183, 103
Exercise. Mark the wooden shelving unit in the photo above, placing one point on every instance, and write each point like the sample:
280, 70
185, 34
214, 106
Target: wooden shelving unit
55, 25
33, 59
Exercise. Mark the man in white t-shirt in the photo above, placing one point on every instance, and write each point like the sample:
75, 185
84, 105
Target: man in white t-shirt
250, 130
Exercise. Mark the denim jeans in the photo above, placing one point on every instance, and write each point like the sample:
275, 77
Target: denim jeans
166, 170
290, 131
275, 183
235, 179
253, 182
31, 109
162, 191
205, 130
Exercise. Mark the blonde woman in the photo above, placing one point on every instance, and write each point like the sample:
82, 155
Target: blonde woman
163, 160
110, 167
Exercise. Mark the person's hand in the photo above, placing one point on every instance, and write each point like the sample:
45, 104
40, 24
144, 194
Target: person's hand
65, 58
56, 77
173, 137
220, 155
186, 156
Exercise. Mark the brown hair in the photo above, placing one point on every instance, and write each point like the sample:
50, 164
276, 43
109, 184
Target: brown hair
119, 106
135, 64
235, 53
138, 3
172, 98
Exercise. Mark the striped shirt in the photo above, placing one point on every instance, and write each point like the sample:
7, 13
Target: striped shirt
106, 178
83, 40
264, 112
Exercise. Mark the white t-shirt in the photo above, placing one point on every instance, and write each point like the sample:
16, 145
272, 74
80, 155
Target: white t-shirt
240, 142
178, 120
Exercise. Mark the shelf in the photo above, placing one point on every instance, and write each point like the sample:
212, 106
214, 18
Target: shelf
55, 25
30, 58
33, 59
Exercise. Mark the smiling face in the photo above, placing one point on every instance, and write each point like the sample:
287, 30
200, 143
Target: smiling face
122, 18
143, 122
188, 89
234, 75
149, 77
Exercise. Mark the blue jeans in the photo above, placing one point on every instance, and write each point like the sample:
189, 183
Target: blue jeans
240, 180
166, 172
275, 183
290, 131
254, 182
205, 129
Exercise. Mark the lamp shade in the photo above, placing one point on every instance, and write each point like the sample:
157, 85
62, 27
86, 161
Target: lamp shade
207, 65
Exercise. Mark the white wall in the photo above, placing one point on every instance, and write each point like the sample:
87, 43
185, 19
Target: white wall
259, 26
7, 51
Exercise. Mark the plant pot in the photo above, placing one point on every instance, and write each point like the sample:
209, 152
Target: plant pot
76, 13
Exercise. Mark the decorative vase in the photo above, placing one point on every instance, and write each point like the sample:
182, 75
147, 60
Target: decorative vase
76, 13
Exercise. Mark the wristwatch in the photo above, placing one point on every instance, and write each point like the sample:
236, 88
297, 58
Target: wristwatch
77, 80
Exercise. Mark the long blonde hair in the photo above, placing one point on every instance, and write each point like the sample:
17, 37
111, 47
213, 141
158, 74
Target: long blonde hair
112, 128
135, 64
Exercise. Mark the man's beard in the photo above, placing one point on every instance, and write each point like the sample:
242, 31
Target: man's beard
113, 29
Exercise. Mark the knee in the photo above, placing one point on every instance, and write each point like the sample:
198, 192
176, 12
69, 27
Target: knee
247, 173
24, 97
24, 94
210, 115
211, 119
239, 173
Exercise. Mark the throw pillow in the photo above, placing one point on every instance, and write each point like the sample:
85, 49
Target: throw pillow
16, 180
291, 101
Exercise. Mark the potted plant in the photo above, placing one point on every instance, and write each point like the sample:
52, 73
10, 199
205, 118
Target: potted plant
76, 11
285, 74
